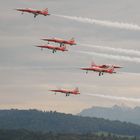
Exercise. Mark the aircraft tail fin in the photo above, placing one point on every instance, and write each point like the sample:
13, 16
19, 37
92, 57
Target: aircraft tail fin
72, 39
45, 10
111, 68
76, 89
93, 64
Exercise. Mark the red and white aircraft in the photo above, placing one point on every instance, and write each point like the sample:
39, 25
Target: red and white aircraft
67, 92
60, 41
105, 65
101, 70
53, 48
35, 12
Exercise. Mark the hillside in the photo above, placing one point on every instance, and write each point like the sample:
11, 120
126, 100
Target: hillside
121, 113
62, 123
29, 135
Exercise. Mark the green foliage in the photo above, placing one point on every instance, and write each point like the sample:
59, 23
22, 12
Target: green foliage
30, 135
34, 120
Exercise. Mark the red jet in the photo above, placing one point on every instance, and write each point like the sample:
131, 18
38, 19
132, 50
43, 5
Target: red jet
62, 42
101, 71
53, 48
105, 65
35, 12
67, 92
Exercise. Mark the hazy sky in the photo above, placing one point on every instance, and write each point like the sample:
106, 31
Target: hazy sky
26, 73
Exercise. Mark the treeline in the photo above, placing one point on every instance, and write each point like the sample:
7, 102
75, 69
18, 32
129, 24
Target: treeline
55, 122
30, 135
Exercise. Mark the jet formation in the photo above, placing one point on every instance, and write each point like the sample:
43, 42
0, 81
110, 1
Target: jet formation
101, 69
62, 43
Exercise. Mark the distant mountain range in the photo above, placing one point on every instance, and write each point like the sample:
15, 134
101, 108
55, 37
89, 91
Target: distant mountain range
34, 120
121, 113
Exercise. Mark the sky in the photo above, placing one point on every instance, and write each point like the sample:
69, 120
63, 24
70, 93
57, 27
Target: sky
106, 32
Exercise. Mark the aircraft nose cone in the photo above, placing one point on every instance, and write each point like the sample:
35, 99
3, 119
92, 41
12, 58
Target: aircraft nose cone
43, 39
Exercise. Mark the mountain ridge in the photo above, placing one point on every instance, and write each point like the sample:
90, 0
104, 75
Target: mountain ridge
35, 120
121, 113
